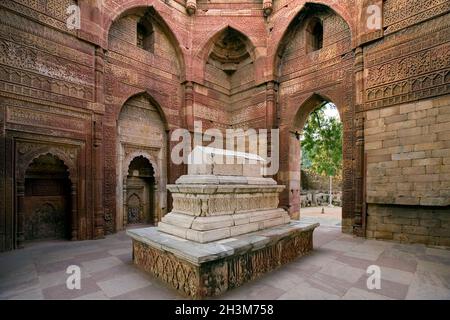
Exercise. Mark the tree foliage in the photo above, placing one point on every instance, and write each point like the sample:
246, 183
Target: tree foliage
322, 143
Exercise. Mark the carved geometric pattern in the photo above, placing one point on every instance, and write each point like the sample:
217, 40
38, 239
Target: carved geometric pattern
399, 14
27, 151
182, 275
416, 67
49, 12
216, 277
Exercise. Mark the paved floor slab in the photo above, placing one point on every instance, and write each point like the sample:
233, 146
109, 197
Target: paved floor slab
336, 269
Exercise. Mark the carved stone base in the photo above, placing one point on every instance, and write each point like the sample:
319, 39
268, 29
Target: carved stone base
204, 270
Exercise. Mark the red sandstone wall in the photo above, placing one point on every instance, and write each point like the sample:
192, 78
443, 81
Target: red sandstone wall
61, 90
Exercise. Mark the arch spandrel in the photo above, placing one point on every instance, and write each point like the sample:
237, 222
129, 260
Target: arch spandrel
282, 26
27, 152
162, 15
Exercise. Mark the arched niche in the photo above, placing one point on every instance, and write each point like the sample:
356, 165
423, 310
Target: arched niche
27, 153
142, 32
140, 192
141, 134
229, 61
47, 199
316, 29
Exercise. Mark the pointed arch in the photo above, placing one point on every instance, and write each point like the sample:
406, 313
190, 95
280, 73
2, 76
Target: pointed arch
205, 48
142, 131
146, 155
305, 108
158, 12
284, 24
53, 151
148, 95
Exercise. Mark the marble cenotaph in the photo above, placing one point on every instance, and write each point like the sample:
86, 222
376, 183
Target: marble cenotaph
225, 227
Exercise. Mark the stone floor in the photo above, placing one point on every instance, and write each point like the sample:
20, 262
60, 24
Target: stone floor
331, 216
335, 270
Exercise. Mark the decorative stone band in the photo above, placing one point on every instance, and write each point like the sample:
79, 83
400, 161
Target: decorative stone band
203, 270
196, 200
209, 212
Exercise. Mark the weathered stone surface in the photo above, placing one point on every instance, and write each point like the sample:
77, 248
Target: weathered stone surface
413, 224
414, 147
205, 270
78, 95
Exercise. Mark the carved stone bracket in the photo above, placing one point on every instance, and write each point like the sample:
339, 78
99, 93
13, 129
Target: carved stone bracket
191, 6
267, 7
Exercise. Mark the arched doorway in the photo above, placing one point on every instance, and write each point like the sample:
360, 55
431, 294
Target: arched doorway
321, 164
47, 199
140, 192
314, 64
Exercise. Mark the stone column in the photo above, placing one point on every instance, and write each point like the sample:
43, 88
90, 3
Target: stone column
74, 212
124, 196
191, 6
20, 192
189, 105
3, 244
98, 145
157, 214
359, 211
271, 100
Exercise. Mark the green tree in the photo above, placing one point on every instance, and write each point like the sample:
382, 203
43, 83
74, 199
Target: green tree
322, 144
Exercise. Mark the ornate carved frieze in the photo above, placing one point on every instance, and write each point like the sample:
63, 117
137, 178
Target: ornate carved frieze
252, 112
414, 69
51, 12
409, 41
318, 80
28, 117
30, 83
53, 8
399, 14
26, 58
412, 66
183, 276
49, 107
214, 276
39, 43
26, 151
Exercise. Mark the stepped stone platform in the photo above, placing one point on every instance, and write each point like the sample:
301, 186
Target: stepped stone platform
201, 270
225, 227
